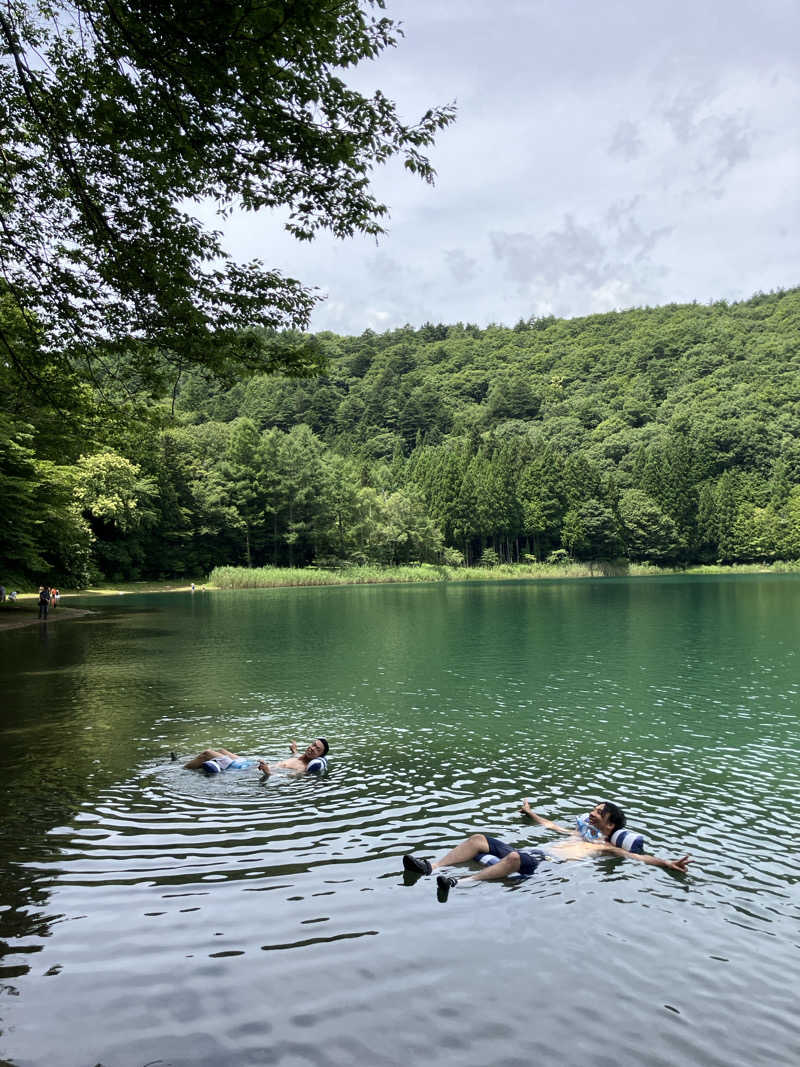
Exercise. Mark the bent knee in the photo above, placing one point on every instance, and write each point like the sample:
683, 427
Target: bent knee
479, 841
513, 860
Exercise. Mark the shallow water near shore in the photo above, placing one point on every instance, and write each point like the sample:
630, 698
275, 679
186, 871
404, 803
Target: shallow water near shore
150, 914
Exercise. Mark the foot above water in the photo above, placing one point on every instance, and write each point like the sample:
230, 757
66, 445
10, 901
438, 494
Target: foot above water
444, 883
414, 863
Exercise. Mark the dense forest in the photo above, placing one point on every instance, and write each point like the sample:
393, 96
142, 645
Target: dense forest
669, 435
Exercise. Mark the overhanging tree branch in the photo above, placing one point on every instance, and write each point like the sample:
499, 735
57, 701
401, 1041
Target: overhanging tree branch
134, 108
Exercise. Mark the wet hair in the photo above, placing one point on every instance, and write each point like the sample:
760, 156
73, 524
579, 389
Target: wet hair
327, 746
615, 814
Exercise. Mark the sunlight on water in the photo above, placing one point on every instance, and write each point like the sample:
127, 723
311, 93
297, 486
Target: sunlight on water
153, 914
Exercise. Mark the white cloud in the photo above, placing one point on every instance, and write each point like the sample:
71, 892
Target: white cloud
461, 266
627, 141
604, 156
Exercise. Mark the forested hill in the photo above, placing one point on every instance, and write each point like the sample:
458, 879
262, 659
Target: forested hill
605, 385
668, 434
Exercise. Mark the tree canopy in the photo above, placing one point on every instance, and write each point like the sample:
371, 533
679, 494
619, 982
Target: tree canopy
118, 117
662, 435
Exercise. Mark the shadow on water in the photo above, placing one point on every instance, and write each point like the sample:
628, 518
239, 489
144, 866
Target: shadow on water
63, 741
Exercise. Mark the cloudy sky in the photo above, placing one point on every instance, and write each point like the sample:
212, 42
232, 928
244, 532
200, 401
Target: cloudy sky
606, 154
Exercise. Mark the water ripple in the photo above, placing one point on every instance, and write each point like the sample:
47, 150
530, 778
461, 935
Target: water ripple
185, 918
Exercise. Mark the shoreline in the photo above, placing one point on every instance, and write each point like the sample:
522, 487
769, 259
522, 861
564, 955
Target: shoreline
232, 579
10, 619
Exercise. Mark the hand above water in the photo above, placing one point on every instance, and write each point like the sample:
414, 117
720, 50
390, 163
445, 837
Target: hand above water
526, 809
681, 865
264, 767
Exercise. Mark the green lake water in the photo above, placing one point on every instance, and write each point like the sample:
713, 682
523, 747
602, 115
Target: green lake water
153, 915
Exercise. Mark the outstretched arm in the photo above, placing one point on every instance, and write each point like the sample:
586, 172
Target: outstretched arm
526, 810
293, 747
681, 864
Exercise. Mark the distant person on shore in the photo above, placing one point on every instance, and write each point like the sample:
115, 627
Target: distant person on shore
312, 761
44, 601
593, 836
12, 596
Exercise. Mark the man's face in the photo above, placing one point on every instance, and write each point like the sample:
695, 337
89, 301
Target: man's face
600, 821
315, 749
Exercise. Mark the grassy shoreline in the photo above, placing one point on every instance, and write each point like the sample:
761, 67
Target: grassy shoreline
228, 578
277, 577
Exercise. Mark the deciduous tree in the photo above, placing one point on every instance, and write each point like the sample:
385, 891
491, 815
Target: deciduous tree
119, 118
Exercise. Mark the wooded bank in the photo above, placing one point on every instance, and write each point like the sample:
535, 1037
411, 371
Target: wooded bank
660, 435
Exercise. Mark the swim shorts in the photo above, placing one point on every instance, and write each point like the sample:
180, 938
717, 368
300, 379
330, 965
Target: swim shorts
528, 861
217, 765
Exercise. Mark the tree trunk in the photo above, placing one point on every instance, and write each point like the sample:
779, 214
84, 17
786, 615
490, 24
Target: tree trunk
291, 543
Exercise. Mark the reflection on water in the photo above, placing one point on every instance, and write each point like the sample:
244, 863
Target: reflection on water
152, 914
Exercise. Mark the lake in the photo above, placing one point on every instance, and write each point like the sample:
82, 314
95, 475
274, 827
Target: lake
153, 915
